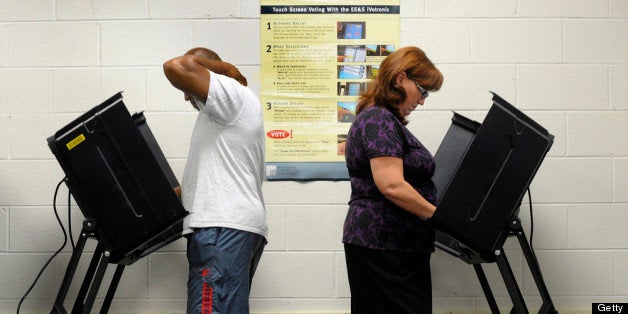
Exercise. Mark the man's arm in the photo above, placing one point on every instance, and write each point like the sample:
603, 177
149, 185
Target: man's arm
189, 74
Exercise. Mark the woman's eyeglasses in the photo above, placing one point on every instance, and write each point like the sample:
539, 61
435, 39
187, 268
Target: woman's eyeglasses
423, 91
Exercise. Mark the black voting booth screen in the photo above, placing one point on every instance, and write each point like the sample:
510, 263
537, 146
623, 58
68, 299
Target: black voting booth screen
482, 173
120, 179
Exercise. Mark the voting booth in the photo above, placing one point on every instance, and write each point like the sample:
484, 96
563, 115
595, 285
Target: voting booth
482, 173
123, 185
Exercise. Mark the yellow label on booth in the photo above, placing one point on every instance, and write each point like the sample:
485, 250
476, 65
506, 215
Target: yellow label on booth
77, 140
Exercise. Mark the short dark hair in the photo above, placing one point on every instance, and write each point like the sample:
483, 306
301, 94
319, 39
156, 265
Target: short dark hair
204, 52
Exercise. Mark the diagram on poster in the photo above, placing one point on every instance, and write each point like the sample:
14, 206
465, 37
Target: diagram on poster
316, 59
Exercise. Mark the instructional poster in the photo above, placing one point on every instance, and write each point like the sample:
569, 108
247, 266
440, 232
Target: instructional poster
316, 58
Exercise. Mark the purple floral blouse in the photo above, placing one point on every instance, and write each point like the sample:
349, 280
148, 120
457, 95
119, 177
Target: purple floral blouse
372, 220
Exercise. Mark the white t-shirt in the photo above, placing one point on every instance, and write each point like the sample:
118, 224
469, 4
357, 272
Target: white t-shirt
222, 181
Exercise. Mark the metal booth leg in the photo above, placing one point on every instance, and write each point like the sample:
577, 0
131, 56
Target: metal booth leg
519, 305
479, 271
58, 306
112, 289
535, 270
93, 277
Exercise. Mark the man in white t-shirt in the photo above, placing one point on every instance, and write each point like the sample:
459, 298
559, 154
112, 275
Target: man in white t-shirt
222, 182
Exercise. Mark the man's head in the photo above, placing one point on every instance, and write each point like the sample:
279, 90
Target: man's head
205, 53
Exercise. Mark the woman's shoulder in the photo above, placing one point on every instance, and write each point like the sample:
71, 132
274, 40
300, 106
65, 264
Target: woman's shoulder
376, 112
376, 118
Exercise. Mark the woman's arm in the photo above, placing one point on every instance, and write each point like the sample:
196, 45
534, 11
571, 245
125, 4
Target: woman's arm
388, 176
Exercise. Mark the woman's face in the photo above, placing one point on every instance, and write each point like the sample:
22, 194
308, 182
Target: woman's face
414, 96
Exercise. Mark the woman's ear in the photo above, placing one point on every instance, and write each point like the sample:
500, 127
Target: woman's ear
400, 77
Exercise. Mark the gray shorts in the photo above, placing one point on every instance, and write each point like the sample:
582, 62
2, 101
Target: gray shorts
222, 262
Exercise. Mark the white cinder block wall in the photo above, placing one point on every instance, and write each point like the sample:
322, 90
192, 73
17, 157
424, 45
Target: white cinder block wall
564, 63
